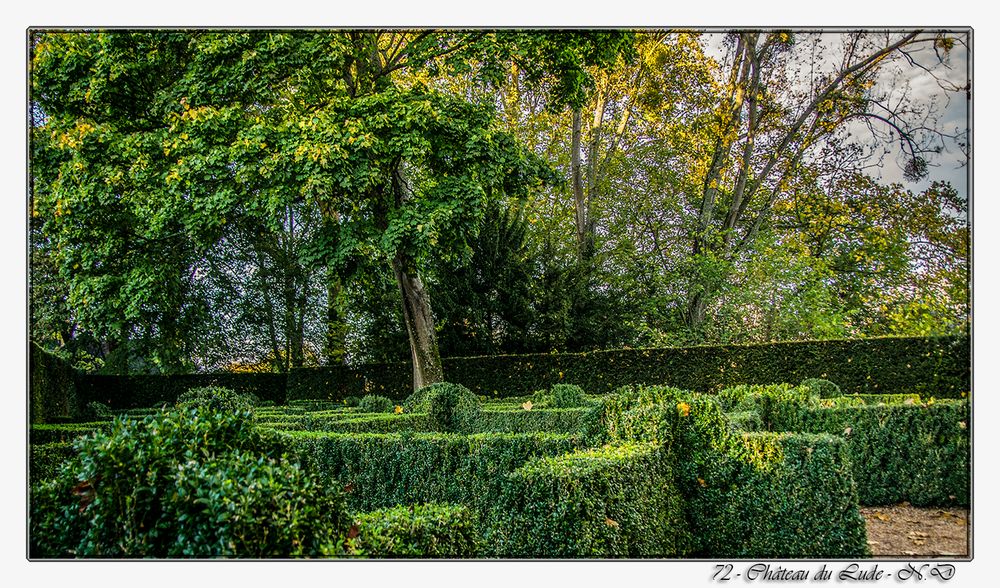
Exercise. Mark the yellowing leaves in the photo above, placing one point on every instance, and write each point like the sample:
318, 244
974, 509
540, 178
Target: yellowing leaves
683, 409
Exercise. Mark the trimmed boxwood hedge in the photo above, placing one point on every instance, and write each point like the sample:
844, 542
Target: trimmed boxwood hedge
784, 495
121, 392
418, 531
615, 501
935, 366
758, 496
919, 453
387, 470
53, 387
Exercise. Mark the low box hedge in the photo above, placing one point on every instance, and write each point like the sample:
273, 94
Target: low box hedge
919, 453
615, 501
758, 495
387, 470
418, 531
778, 496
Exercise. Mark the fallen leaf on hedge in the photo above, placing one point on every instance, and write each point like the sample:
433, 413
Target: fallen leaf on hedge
610, 522
527, 405
349, 487
962, 424
399, 410
847, 431
702, 482
684, 408
909, 401
353, 532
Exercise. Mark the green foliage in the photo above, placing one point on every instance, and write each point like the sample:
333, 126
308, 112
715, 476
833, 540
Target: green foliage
375, 403
351, 401
386, 470
536, 420
217, 398
53, 387
62, 433
99, 410
738, 500
183, 484
822, 388
45, 460
453, 408
935, 366
920, 453
418, 531
598, 503
778, 496
748, 420
567, 396
145, 391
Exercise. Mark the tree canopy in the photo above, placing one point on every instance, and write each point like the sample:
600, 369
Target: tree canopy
272, 199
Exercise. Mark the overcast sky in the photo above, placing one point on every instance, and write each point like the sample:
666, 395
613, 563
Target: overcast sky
952, 108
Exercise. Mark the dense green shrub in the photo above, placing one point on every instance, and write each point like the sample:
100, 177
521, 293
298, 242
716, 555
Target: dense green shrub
453, 408
616, 501
185, 483
386, 470
217, 398
98, 410
45, 460
375, 403
778, 496
567, 396
746, 421
869, 399
364, 423
914, 452
418, 531
822, 388
351, 401
761, 501
53, 387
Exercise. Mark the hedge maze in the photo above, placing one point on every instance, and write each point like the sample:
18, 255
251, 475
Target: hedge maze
752, 470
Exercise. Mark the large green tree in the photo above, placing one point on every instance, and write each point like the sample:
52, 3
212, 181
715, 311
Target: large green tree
155, 139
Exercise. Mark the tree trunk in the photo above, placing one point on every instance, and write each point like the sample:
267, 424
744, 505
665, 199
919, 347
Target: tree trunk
694, 314
419, 323
576, 173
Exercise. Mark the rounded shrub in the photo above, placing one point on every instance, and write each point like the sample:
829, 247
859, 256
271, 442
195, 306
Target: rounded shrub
351, 401
822, 388
451, 407
375, 403
567, 396
217, 398
184, 483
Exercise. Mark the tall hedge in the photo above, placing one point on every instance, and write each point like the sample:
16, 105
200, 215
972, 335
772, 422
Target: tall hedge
936, 366
121, 392
53, 387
